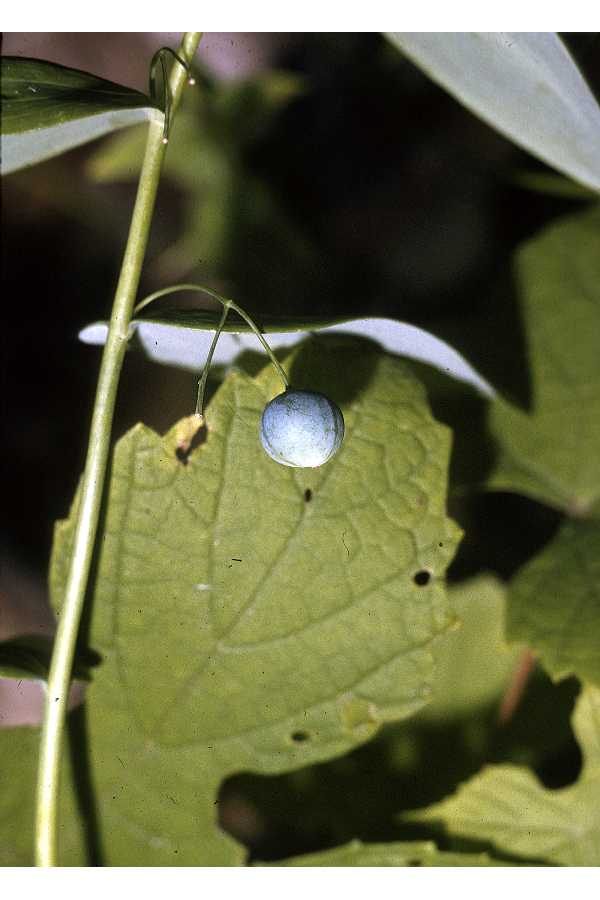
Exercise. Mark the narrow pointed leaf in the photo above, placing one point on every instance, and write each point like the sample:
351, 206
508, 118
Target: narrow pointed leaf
48, 109
171, 337
524, 84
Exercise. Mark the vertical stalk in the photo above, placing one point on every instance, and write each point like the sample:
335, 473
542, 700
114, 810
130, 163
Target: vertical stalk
204, 377
92, 484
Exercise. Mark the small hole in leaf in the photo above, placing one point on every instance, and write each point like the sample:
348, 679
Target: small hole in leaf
307, 495
440, 544
422, 577
299, 737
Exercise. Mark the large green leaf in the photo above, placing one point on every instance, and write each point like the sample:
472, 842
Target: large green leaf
256, 617
408, 765
508, 808
552, 453
554, 602
525, 84
422, 853
411, 763
47, 109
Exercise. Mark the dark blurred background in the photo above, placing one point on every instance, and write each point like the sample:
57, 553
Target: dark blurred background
320, 173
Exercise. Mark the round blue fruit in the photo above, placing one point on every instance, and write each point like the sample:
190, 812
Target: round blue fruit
302, 429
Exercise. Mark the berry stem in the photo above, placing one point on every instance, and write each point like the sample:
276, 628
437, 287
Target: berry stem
258, 334
174, 288
92, 483
202, 382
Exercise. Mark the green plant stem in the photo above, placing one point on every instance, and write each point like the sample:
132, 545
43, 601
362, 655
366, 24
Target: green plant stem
92, 484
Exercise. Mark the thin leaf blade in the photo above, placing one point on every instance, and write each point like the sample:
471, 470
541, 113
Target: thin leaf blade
48, 109
168, 337
524, 84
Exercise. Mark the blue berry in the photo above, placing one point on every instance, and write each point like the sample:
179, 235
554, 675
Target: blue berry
302, 429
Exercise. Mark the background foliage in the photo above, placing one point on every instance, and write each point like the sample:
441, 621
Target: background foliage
338, 181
